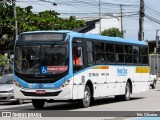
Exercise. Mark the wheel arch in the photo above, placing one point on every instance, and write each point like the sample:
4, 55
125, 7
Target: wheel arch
90, 85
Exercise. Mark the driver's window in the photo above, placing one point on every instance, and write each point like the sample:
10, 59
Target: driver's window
77, 55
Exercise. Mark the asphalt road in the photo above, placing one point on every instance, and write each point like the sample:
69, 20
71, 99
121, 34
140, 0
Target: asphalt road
146, 101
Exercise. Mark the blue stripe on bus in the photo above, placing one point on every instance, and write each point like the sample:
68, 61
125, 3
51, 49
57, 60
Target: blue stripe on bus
81, 71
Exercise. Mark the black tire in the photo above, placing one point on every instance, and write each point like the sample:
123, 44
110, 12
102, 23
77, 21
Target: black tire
85, 102
20, 101
127, 94
38, 104
154, 85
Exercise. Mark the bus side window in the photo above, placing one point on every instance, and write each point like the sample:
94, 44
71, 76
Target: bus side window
136, 56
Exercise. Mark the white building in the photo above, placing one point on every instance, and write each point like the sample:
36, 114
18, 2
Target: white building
106, 23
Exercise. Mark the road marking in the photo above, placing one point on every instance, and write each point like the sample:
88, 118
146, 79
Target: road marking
3, 106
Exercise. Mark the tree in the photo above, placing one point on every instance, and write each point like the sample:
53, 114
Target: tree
5, 19
29, 21
113, 32
3, 62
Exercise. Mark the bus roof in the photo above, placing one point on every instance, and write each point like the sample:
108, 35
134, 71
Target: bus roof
107, 38
93, 36
50, 31
114, 39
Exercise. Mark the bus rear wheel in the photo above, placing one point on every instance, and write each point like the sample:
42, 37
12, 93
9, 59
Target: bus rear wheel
127, 94
38, 104
85, 102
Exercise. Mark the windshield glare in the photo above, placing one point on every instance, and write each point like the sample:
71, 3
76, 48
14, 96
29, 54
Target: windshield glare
41, 59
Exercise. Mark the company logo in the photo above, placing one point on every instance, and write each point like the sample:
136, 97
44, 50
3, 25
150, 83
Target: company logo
40, 86
122, 72
31, 85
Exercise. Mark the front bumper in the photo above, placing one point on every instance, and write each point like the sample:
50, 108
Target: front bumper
64, 93
7, 97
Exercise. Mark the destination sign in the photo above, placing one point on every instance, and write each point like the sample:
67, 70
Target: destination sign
42, 37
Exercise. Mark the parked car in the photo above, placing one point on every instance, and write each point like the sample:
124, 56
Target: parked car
7, 89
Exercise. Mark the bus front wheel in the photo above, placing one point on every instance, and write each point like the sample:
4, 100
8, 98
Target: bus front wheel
85, 102
38, 104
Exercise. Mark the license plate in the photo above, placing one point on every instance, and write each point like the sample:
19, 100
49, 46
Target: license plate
40, 91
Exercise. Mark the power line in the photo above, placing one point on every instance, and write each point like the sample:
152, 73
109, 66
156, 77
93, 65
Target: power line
153, 11
86, 4
153, 19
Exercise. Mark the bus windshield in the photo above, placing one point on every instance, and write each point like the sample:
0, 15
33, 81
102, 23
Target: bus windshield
41, 59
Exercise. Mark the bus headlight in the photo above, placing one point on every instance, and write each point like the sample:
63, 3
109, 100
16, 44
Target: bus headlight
17, 84
66, 83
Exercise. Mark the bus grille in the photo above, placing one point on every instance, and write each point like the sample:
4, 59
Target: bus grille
44, 95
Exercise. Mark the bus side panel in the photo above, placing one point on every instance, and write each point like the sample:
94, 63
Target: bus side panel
75, 92
134, 77
116, 80
79, 85
98, 75
140, 81
145, 79
110, 81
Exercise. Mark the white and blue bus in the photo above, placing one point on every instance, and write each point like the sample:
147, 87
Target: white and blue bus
70, 66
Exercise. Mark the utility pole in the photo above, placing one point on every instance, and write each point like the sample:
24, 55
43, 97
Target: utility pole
121, 19
141, 21
99, 17
157, 47
15, 17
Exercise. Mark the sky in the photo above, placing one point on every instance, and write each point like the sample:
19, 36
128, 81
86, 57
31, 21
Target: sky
90, 8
